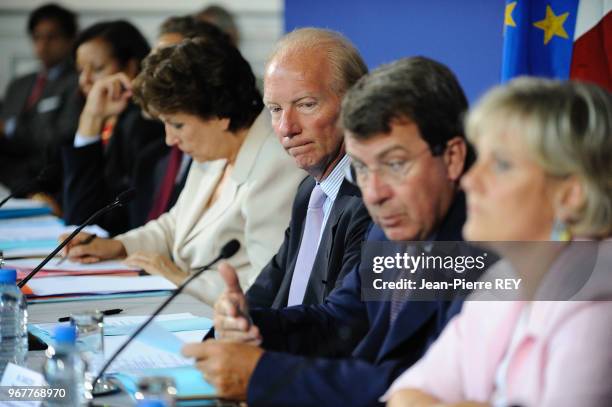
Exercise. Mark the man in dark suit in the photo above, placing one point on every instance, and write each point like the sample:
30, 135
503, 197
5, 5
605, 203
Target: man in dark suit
304, 95
339, 250
41, 110
403, 132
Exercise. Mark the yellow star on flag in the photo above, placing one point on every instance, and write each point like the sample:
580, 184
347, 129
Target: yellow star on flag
552, 25
508, 20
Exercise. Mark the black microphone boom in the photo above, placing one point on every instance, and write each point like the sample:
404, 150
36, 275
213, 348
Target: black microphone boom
121, 199
227, 251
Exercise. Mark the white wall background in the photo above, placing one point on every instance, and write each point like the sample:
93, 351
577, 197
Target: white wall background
260, 23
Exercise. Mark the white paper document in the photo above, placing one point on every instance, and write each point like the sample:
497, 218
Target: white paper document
151, 349
97, 285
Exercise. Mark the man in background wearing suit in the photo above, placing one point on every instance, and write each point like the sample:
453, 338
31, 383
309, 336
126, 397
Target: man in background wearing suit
305, 79
403, 132
41, 110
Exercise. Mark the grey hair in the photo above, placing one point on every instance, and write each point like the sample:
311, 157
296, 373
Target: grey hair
346, 62
567, 127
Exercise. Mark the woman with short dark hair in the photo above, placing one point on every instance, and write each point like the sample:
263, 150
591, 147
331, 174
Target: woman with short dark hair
240, 185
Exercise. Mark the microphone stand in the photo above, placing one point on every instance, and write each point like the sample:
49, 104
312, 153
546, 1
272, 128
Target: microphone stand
121, 199
227, 251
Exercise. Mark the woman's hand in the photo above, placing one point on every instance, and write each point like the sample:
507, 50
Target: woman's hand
98, 249
108, 97
157, 264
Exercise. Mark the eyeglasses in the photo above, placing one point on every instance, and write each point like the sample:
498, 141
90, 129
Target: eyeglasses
392, 171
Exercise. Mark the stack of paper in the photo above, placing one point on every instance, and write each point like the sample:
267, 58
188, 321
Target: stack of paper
19, 208
67, 267
79, 285
35, 236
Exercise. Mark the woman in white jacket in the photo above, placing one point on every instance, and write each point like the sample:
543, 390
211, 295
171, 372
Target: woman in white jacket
240, 185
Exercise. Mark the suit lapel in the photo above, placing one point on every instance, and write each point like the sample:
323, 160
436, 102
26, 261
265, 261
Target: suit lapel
297, 229
407, 324
245, 161
414, 314
320, 269
189, 223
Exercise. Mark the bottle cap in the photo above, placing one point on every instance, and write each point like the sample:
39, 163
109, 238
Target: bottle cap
8, 276
65, 334
151, 403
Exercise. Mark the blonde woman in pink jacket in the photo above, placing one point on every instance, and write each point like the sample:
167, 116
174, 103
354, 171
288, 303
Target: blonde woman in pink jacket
544, 173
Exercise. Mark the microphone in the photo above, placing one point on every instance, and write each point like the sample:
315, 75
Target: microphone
121, 200
43, 175
227, 251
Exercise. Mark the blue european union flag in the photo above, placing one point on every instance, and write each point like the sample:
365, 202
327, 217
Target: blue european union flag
538, 38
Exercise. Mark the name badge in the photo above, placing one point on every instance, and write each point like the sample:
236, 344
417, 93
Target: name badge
48, 104
20, 376
21, 387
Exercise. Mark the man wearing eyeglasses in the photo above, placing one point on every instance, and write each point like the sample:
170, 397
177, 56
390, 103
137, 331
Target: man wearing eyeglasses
403, 131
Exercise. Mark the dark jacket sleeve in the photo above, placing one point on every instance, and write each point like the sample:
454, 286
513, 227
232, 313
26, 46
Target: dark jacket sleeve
93, 177
85, 190
288, 380
334, 327
301, 377
282, 379
359, 223
263, 291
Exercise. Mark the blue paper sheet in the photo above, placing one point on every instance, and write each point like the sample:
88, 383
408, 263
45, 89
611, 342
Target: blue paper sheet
22, 213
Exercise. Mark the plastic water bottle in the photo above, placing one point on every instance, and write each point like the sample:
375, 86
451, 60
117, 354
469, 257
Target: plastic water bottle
65, 370
13, 321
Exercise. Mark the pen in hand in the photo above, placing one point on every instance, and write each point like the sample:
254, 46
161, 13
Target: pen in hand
87, 240
113, 311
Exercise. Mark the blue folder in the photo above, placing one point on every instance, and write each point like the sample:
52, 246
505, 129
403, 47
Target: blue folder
24, 212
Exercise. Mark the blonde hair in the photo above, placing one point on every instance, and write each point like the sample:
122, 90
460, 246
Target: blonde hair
344, 59
567, 128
